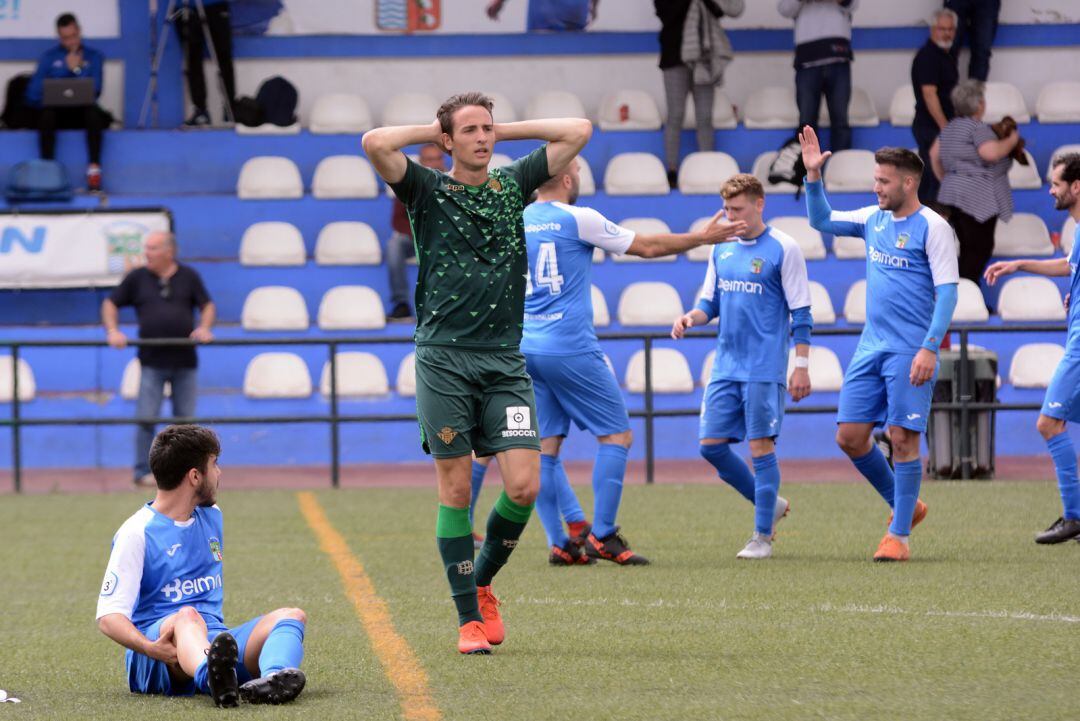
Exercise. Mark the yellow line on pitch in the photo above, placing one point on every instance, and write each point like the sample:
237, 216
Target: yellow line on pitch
398, 660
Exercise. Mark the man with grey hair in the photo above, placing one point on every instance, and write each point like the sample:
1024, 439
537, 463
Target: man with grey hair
165, 294
933, 76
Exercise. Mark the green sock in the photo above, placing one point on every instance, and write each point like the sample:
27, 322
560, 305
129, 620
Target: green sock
453, 533
505, 526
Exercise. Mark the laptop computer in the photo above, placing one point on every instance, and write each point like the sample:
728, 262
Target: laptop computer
67, 92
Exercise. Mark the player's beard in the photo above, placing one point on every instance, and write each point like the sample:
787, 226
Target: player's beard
575, 191
1065, 202
206, 496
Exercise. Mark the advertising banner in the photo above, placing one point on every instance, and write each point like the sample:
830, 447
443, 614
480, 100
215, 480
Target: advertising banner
37, 18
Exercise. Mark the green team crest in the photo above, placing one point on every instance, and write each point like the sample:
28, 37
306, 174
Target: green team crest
756, 265
215, 549
901, 240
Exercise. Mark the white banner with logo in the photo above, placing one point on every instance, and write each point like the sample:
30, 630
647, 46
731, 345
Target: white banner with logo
74, 250
37, 18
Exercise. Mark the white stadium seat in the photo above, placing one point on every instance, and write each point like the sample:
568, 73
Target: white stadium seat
410, 109
1059, 102
272, 243
902, 107
344, 176
499, 160
771, 107
1025, 234
1033, 364
274, 307
636, 174
269, 176
27, 385
850, 171
670, 372
1068, 234
554, 104
643, 226
598, 255
129, 382
861, 110
405, 384
970, 305
706, 368
1030, 298
1061, 150
502, 109
723, 113
703, 173
358, 374
351, 307
586, 184
340, 113
808, 239
277, 375
701, 253
761, 172
347, 242
601, 318
1005, 99
649, 303
846, 247
855, 303
267, 129
826, 374
821, 307
641, 111
1024, 177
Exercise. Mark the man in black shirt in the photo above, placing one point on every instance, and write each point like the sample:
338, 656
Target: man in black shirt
933, 76
165, 295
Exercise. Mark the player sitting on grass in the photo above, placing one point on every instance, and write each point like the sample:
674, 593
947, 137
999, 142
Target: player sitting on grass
162, 594
758, 289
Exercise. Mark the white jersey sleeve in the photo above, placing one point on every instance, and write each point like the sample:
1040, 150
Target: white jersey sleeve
793, 273
598, 231
941, 250
707, 303
123, 575
851, 222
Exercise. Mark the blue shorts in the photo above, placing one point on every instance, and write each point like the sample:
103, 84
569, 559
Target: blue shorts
877, 389
579, 388
148, 675
1063, 394
740, 410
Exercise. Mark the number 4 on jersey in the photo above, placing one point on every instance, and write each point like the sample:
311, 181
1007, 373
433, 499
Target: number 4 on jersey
547, 270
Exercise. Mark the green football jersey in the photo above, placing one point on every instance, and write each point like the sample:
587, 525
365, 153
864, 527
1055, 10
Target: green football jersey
470, 246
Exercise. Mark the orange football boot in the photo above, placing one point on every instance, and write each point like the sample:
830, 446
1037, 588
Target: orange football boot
917, 516
489, 609
472, 639
891, 549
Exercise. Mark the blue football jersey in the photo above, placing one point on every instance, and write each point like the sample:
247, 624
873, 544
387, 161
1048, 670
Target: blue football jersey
1072, 345
558, 303
158, 565
752, 286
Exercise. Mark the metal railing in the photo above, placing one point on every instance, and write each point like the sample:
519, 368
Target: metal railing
966, 404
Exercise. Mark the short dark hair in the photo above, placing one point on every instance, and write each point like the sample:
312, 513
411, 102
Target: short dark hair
1071, 172
178, 449
900, 158
446, 111
66, 19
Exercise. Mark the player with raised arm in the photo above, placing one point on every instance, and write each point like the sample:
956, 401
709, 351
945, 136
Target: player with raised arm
162, 594
911, 285
1062, 401
758, 289
472, 390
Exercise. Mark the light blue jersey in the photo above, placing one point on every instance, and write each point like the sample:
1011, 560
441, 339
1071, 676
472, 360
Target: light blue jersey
753, 286
558, 304
1072, 345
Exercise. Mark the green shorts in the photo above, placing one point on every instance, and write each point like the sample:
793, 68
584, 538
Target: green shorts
474, 401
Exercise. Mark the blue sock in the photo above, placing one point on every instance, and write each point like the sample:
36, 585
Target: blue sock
202, 678
875, 467
284, 647
766, 487
1064, 455
478, 472
732, 469
908, 480
547, 502
607, 483
569, 506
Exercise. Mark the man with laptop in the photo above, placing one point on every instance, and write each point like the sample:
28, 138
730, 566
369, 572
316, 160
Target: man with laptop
64, 90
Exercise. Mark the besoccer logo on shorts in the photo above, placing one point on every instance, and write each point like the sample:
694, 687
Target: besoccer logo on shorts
518, 422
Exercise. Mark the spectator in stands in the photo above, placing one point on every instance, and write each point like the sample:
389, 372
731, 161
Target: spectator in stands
698, 77
164, 294
823, 62
977, 23
400, 245
191, 32
70, 59
555, 15
933, 77
972, 164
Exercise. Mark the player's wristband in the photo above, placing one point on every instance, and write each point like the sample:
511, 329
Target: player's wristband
801, 362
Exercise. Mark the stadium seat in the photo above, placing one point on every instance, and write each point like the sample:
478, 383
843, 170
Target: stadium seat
861, 110
1033, 364
636, 174
340, 113
641, 111
1025, 234
601, 318
410, 109
1005, 99
826, 373
808, 239
821, 307
554, 104
358, 374
649, 303
1059, 151
846, 247
1030, 298
269, 176
902, 107
761, 172
274, 307
351, 307
499, 160
723, 113
405, 384
850, 171
344, 176
502, 109
1024, 177
347, 242
670, 372
643, 226
701, 253
771, 107
1059, 102
1068, 234
586, 184
855, 303
706, 368
267, 129
703, 173
272, 243
130, 381
277, 375
27, 385
970, 304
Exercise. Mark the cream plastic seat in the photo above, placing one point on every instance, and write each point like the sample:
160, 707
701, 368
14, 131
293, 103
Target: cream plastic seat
771, 107
274, 307
902, 107
970, 304
635, 174
27, 384
850, 171
351, 307
601, 318
723, 112
649, 303
1059, 102
405, 384
1025, 234
1033, 364
808, 239
340, 114
410, 109
826, 374
670, 372
1030, 298
1005, 99
277, 375
761, 172
344, 176
554, 104
269, 177
703, 173
272, 243
821, 307
641, 111
358, 374
643, 226
855, 303
347, 242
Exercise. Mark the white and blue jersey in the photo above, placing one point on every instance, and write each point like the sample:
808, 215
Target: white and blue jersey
1062, 399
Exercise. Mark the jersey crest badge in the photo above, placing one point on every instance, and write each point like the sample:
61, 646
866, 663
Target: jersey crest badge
756, 264
495, 185
215, 549
447, 435
901, 240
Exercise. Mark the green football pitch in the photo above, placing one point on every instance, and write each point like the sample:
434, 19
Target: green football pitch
981, 624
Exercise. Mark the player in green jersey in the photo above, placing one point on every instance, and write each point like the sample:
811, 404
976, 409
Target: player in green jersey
472, 391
